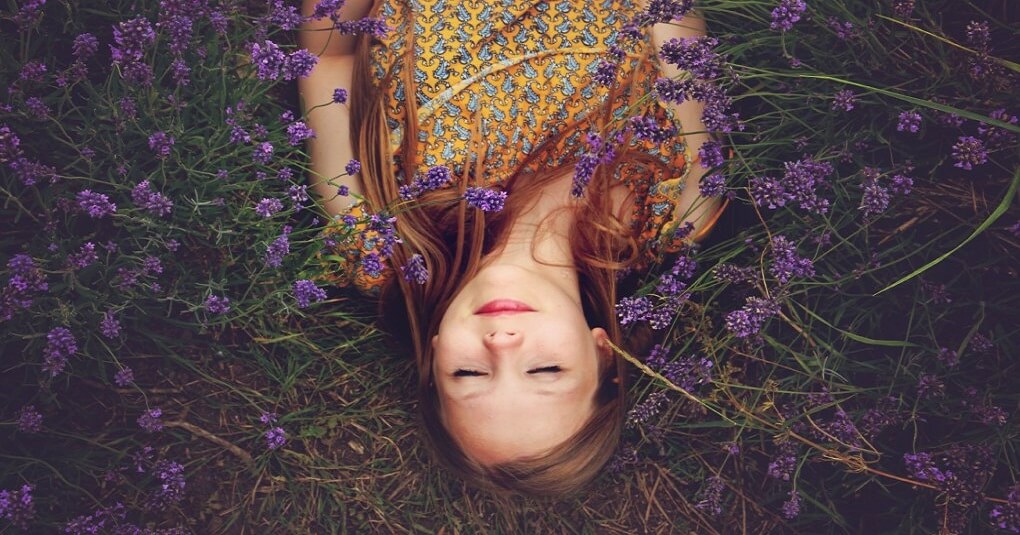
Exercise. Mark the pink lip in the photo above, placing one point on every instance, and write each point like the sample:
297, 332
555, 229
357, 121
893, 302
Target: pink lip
503, 306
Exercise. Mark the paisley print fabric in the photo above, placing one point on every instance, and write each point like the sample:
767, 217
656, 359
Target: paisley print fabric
498, 78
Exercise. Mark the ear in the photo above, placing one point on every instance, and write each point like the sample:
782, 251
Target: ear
435, 340
602, 342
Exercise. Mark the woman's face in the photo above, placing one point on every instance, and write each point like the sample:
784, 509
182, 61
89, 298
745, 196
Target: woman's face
515, 365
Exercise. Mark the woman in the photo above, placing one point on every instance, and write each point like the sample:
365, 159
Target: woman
519, 388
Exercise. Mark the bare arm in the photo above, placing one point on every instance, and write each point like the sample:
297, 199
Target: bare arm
699, 210
330, 149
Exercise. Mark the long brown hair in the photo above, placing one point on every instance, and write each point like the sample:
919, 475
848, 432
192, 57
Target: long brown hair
453, 238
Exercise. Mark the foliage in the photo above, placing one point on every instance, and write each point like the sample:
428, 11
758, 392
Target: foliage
837, 357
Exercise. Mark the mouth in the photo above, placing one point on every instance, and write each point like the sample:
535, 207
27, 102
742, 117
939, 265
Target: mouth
503, 306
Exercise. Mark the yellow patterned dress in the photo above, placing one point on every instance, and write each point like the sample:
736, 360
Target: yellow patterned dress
519, 71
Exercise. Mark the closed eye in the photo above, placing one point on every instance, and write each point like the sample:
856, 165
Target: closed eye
467, 373
546, 369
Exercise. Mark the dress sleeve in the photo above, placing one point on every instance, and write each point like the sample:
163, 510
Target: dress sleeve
352, 256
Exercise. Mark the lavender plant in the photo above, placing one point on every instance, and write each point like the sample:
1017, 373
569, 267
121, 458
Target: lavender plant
836, 357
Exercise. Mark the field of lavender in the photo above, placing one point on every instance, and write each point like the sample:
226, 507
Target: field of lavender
838, 357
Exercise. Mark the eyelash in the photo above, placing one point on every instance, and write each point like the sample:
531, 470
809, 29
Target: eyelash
476, 373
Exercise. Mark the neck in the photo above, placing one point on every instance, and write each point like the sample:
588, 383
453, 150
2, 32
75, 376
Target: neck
539, 238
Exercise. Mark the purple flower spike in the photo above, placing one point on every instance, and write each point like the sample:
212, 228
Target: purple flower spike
415, 270
96, 205
60, 345
151, 421
217, 305
267, 207
29, 420
968, 152
276, 438
909, 121
485, 199
17, 505
787, 14
791, 507
340, 95
305, 291
844, 100
124, 377
160, 143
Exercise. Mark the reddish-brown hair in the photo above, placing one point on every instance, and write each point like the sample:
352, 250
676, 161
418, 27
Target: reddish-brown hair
453, 238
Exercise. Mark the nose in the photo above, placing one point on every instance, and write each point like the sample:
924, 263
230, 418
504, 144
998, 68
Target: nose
502, 339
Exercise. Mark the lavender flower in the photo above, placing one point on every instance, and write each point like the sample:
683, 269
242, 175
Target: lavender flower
109, 326
695, 55
978, 35
663, 11
605, 72
85, 256
968, 152
153, 202
930, 386
648, 129
768, 192
710, 154
160, 143
17, 507
791, 507
298, 131
875, 199
414, 270
1007, 516
787, 14
901, 184
785, 262
299, 64
643, 412
97, 205
844, 30
171, 485
372, 264
60, 345
278, 249
844, 99
711, 496
909, 121
674, 91
485, 199
367, 25
948, 357
352, 167
151, 420
433, 179
29, 420
124, 377
10, 145
262, 153
995, 137
305, 291
749, 319
784, 462
267, 418
903, 8
276, 438
216, 304
32, 71
713, 185
268, 58
633, 309
268, 206
340, 95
